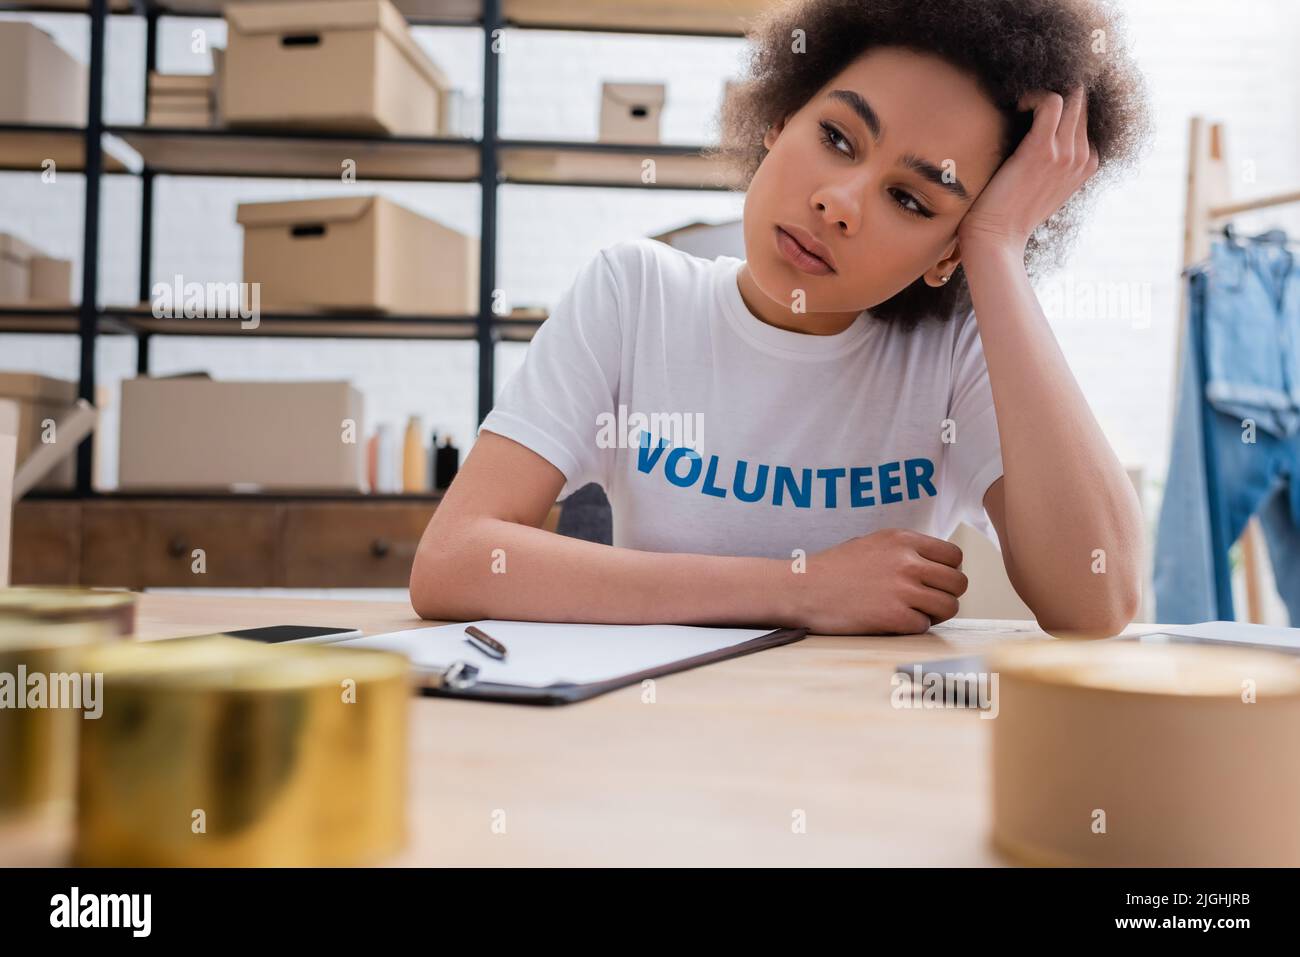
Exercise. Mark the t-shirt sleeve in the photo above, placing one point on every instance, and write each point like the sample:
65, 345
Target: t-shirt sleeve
568, 378
974, 455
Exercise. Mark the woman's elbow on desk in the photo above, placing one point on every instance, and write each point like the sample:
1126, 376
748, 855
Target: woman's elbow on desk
425, 588
1101, 619
439, 588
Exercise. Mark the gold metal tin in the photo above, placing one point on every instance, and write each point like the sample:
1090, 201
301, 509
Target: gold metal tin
57, 604
1125, 754
214, 751
38, 744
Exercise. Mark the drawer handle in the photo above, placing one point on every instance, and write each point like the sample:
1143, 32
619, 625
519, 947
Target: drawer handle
382, 548
177, 547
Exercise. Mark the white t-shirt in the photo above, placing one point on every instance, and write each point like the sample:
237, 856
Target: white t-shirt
713, 432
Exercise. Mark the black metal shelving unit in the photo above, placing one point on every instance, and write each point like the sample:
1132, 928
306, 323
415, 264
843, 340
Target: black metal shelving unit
489, 161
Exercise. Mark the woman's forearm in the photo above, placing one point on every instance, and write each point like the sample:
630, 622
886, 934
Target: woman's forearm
1073, 521
482, 567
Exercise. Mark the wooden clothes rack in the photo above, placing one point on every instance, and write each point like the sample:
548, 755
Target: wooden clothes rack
1208, 208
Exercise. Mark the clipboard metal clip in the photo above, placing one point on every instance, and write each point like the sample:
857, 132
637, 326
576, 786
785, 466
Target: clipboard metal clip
459, 675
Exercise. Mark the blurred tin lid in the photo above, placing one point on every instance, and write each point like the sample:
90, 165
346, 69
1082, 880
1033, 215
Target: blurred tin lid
1131, 667
52, 603
18, 636
221, 663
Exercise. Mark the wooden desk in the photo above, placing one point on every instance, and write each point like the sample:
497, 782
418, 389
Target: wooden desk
711, 773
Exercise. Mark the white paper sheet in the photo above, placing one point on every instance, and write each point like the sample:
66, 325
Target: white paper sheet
1238, 633
545, 653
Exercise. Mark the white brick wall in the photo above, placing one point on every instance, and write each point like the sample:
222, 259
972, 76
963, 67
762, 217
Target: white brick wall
1228, 61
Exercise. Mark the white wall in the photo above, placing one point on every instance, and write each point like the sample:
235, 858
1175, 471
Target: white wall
1229, 61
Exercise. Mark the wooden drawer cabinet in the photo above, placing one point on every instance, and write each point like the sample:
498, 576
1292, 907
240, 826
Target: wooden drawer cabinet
265, 542
325, 546
46, 543
142, 545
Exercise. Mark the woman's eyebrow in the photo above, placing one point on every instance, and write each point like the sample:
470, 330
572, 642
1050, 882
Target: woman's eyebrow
861, 107
924, 168
929, 171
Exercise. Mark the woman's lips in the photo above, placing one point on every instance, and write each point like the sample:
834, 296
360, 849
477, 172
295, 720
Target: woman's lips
799, 257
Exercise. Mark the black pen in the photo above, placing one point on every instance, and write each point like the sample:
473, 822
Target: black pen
485, 643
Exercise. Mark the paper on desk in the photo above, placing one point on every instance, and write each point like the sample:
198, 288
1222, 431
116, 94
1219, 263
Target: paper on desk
1238, 633
546, 653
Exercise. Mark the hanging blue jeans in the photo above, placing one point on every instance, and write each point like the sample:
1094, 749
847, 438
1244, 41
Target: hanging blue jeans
1236, 442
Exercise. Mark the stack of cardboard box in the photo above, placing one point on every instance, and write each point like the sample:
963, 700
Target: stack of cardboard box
185, 99
28, 277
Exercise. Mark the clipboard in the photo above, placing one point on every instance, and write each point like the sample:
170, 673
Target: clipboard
453, 680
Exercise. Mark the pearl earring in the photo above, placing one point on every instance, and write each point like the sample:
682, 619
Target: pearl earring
943, 279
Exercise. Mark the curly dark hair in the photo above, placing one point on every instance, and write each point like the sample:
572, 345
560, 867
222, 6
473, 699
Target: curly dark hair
1010, 47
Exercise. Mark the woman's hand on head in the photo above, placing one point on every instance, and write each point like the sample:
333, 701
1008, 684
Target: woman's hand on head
1047, 168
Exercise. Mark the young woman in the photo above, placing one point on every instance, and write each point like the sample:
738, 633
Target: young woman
789, 438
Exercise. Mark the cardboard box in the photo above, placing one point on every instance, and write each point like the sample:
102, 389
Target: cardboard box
39, 398
15, 272
179, 121
708, 240
218, 71
361, 253
629, 112
198, 84
27, 277
691, 15
181, 99
192, 102
179, 115
192, 432
330, 64
49, 281
40, 82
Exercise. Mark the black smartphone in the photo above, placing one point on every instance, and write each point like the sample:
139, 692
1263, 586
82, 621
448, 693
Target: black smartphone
278, 634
